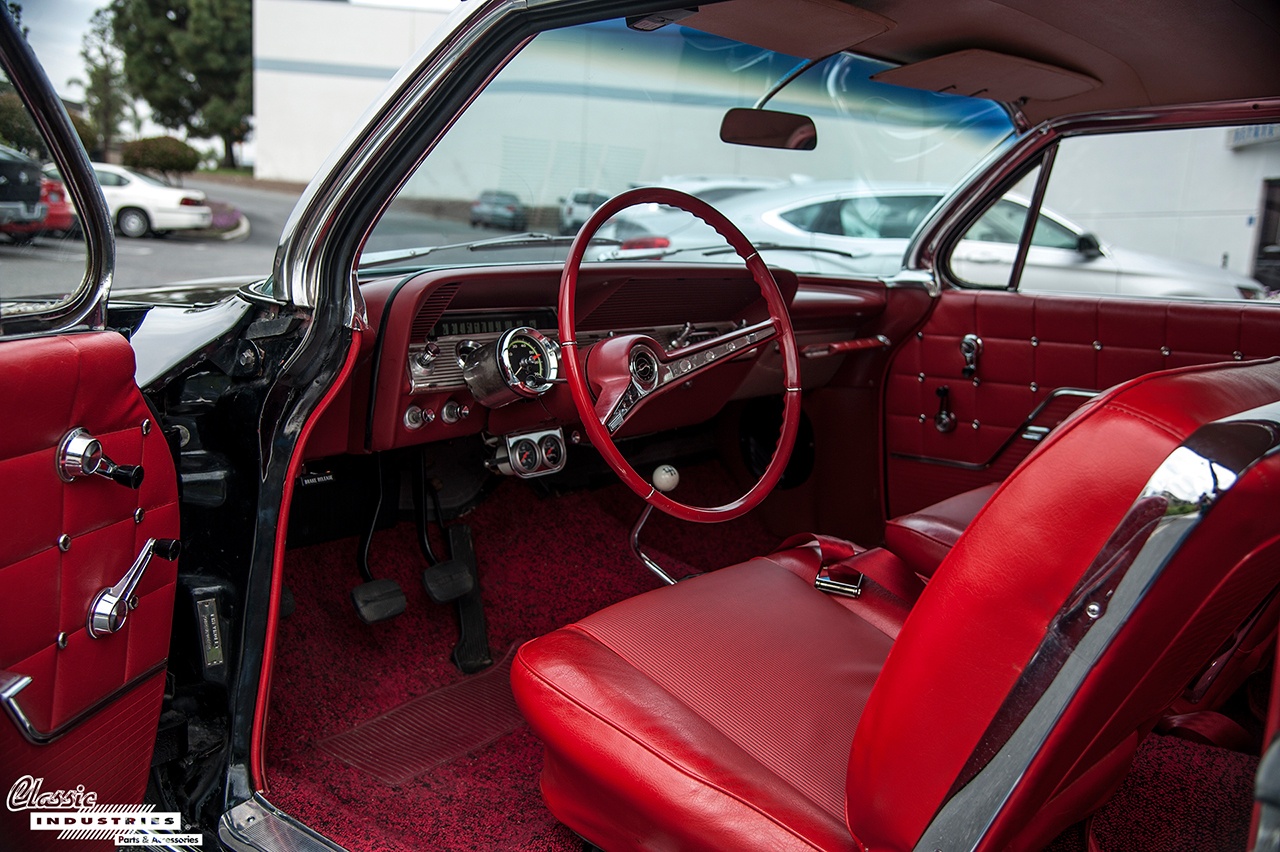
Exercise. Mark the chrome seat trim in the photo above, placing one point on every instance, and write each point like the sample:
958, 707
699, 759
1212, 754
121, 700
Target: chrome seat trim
1177, 497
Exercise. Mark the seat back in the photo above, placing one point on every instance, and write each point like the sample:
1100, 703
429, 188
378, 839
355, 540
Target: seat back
961, 674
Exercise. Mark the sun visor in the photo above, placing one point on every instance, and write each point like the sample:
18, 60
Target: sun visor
986, 74
809, 29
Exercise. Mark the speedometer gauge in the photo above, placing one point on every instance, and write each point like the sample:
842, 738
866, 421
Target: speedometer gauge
521, 363
528, 359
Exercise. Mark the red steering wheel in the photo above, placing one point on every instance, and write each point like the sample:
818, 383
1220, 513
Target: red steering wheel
630, 369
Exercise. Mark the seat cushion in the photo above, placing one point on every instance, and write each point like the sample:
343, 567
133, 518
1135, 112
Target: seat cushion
923, 539
714, 714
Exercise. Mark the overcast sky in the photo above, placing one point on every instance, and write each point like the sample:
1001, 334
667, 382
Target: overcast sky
57, 27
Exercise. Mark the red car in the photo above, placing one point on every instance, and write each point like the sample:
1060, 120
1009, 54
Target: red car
59, 217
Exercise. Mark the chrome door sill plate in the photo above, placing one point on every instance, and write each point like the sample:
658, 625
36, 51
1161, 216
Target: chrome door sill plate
257, 826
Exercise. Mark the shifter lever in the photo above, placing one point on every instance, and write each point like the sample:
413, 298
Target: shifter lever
80, 454
665, 479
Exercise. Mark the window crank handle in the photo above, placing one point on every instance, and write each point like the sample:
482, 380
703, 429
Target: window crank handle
110, 607
80, 454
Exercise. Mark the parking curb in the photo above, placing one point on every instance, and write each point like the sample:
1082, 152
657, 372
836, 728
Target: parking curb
239, 232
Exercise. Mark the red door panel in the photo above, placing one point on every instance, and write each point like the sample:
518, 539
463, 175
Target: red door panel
1034, 347
91, 704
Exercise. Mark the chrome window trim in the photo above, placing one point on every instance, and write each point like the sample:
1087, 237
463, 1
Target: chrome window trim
1187, 484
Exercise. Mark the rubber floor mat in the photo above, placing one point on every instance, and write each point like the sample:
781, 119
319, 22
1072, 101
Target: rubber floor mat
432, 729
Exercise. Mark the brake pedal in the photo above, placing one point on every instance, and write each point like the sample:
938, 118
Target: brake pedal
447, 581
378, 600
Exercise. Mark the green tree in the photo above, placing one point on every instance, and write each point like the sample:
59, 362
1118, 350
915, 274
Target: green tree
191, 60
17, 130
105, 88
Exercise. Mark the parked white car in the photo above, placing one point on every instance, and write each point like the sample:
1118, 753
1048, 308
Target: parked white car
833, 227
141, 204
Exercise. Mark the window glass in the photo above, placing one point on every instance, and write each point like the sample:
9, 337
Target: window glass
42, 259
597, 109
1162, 214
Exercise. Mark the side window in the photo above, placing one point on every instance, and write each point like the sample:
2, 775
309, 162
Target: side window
1051, 234
1001, 224
1160, 213
42, 259
823, 218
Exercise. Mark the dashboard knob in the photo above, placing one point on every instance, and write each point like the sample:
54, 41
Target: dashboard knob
665, 478
453, 411
429, 353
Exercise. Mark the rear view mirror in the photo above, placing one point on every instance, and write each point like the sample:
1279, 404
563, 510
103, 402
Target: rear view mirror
763, 128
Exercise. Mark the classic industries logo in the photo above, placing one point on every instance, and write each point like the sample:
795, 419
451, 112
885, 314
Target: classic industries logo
77, 815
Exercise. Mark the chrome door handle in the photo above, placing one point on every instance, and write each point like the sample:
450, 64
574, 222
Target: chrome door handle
970, 349
110, 607
80, 454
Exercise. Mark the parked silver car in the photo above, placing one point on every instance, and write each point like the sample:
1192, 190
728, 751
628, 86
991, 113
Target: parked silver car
830, 227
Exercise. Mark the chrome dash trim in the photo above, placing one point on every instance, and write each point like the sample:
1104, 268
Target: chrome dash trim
1183, 489
256, 825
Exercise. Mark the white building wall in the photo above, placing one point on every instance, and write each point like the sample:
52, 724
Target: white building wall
1187, 194
317, 66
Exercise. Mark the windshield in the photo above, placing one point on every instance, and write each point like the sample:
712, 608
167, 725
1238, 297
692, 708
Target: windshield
584, 113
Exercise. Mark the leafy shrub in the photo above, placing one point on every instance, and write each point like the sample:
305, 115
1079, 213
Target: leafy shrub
17, 130
162, 154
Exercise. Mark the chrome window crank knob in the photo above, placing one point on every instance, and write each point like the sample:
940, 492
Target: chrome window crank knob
80, 454
110, 607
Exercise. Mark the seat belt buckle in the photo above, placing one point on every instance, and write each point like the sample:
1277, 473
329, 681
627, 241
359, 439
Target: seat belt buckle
824, 582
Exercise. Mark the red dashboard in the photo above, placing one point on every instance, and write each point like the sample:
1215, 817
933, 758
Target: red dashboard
409, 386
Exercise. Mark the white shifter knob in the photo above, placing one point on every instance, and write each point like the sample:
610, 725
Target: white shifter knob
665, 478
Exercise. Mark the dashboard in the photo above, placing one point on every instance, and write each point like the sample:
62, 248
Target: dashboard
475, 352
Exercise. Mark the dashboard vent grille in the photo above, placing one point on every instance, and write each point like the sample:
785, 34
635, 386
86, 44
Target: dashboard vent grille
432, 309
640, 303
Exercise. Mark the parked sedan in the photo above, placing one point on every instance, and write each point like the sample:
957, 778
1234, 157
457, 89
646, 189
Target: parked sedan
496, 209
141, 204
838, 227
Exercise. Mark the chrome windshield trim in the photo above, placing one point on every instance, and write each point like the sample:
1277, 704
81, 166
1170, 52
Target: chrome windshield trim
1175, 500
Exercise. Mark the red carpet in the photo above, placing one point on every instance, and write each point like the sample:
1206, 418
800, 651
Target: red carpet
544, 562
432, 729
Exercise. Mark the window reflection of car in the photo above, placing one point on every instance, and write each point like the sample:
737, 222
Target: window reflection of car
495, 209
827, 227
577, 207
20, 181
141, 204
